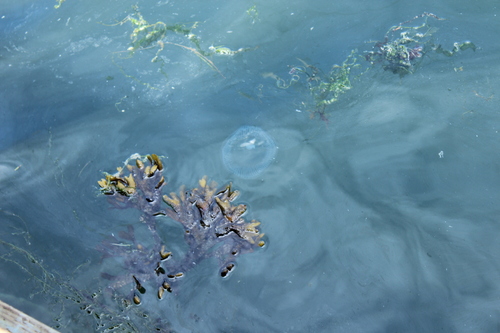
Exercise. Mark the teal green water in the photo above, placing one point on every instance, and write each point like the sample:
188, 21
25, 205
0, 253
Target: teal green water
381, 218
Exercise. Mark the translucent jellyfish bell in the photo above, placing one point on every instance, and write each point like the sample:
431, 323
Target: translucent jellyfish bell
248, 152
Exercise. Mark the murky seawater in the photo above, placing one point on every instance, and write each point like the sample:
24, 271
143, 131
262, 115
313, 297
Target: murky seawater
383, 217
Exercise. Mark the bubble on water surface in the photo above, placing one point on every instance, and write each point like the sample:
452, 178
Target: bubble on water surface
248, 152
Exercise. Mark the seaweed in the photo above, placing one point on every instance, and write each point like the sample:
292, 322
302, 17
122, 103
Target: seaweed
400, 52
457, 47
158, 35
403, 47
59, 3
213, 227
324, 88
253, 13
55, 290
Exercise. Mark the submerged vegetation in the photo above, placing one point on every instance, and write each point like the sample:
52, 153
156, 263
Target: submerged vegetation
213, 227
158, 35
59, 3
253, 13
400, 52
404, 46
145, 267
324, 88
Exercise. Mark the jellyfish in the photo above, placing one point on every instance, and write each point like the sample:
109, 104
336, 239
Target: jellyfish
248, 152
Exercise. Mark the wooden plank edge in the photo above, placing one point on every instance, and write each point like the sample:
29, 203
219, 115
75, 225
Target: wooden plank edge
15, 321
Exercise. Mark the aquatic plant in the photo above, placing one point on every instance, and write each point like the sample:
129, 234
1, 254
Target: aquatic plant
158, 35
456, 48
401, 51
253, 13
146, 35
248, 151
324, 88
404, 46
59, 3
213, 227
62, 290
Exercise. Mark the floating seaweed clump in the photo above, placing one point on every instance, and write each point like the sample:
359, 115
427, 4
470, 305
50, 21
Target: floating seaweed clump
157, 36
400, 52
324, 88
404, 46
213, 226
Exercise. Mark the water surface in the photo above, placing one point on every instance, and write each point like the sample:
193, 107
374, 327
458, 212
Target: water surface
382, 218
